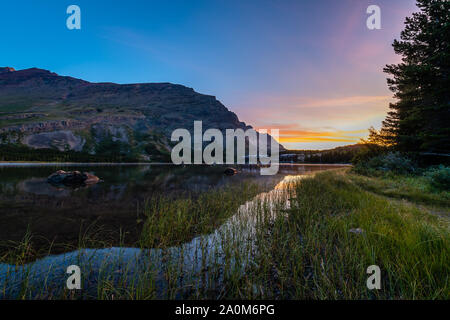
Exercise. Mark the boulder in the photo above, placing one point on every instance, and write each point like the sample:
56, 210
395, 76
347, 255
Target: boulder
230, 171
72, 178
90, 178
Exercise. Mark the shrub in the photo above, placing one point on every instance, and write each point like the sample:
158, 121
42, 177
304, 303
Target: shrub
390, 162
439, 177
368, 152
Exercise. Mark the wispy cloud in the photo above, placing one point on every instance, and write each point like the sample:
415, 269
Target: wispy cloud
340, 112
339, 120
316, 139
289, 134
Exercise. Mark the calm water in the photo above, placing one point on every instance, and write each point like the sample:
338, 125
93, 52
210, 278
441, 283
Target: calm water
59, 214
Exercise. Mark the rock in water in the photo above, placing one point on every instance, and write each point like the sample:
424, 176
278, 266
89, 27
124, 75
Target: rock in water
90, 178
230, 171
72, 178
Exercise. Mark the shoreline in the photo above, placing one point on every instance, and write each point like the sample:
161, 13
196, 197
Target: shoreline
74, 164
355, 224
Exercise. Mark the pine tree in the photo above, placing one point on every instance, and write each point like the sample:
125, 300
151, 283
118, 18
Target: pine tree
419, 119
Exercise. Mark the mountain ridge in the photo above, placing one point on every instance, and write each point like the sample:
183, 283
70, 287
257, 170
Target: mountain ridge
42, 109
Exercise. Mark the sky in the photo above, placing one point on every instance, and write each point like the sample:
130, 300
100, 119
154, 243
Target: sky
309, 68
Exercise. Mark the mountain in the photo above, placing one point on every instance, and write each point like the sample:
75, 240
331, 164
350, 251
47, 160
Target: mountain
41, 109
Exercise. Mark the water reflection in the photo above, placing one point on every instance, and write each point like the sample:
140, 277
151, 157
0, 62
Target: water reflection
28, 200
58, 215
48, 275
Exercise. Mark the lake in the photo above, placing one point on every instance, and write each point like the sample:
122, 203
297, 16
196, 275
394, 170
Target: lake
54, 219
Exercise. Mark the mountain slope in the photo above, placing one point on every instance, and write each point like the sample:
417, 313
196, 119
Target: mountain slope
41, 109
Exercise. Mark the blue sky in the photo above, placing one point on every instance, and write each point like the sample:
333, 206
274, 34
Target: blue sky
310, 68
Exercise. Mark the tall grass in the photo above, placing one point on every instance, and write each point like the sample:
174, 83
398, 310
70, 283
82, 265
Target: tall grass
170, 221
415, 188
316, 257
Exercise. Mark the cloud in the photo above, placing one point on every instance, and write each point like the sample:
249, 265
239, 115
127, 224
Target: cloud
340, 112
315, 139
288, 134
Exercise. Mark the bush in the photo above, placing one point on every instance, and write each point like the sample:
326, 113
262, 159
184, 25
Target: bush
439, 177
368, 152
390, 162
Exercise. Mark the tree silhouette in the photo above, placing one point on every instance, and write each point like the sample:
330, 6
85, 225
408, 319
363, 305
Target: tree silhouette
419, 119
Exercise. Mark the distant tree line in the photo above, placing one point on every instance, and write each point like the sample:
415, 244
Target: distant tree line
337, 155
14, 152
331, 157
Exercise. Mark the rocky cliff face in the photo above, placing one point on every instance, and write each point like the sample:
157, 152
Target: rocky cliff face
44, 110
